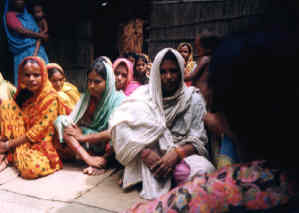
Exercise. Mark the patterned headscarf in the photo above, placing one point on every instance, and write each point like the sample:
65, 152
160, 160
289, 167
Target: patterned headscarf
46, 85
190, 64
55, 66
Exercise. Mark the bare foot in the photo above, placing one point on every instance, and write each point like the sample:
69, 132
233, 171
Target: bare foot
93, 171
96, 161
3, 162
149, 157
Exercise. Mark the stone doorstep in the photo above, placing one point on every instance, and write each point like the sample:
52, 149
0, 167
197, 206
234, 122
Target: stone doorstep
72, 188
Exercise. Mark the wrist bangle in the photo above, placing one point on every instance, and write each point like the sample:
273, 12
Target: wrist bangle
180, 152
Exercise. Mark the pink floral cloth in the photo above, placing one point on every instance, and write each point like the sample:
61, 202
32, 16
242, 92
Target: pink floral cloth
235, 188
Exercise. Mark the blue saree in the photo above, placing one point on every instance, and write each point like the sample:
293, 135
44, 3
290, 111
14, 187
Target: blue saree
19, 45
228, 153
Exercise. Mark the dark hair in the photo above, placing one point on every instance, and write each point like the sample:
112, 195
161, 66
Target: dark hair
143, 58
141, 78
52, 71
35, 3
123, 64
99, 67
260, 101
189, 47
170, 56
131, 54
208, 40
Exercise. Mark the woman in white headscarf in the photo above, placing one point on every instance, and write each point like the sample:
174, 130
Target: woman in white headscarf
158, 132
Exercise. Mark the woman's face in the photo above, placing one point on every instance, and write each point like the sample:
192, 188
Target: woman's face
32, 76
57, 80
141, 67
170, 77
96, 84
184, 51
121, 77
19, 5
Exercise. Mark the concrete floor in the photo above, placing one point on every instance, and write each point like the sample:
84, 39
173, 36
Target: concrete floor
67, 190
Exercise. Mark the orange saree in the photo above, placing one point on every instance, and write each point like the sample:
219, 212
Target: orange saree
38, 156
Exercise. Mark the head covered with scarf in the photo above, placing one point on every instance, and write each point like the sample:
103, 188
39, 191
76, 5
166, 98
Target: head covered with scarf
171, 106
23, 94
131, 85
55, 66
189, 46
146, 118
110, 99
189, 63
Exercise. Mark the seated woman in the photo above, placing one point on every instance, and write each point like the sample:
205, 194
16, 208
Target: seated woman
85, 130
141, 69
124, 77
267, 179
186, 50
28, 126
68, 93
7, 91
158, 131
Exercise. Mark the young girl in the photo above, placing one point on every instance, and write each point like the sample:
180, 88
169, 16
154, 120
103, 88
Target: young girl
141, 69
124, 76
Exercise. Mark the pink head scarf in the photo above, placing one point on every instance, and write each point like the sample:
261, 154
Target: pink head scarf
131, 84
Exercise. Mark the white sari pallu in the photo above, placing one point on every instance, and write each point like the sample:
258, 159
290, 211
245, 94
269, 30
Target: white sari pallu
146, 119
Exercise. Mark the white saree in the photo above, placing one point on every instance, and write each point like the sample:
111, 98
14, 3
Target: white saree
145, 119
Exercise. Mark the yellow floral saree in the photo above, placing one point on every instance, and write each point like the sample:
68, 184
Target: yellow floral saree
190, 64
34, 118
69, 93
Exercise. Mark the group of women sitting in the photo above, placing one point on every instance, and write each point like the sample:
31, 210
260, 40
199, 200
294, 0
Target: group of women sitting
157, 131
28, 136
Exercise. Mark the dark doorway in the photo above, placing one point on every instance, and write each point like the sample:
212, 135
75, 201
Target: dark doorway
6, 62
109, 17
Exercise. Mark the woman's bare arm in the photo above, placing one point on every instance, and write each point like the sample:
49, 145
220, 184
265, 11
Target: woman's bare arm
31, 34
103, 136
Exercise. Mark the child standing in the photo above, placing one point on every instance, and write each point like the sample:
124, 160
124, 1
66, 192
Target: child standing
206, 42
39, 16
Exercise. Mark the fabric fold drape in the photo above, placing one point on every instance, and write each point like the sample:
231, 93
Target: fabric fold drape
146, 119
